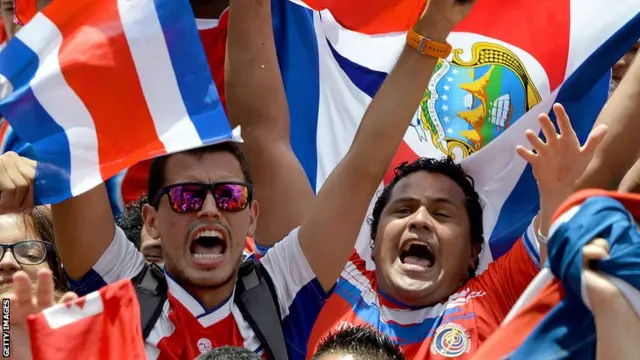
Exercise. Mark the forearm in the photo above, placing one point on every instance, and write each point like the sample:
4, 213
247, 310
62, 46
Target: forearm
255, 93
621, 147
329, 233
617, 330
83, 227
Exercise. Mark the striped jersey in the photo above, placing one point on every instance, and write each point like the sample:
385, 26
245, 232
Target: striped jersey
185, 328
454, 328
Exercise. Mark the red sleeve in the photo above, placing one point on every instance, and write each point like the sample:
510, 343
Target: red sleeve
507, 278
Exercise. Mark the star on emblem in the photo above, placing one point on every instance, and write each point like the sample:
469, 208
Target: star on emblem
447, 88
445, 108
445, 97
449, 131
450, 79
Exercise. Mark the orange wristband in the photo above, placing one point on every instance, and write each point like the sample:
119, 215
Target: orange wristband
427, 46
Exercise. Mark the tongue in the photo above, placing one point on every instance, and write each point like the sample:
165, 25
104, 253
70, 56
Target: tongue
414, 260
207, 250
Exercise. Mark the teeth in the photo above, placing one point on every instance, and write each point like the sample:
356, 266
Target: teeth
206, 256
209, 233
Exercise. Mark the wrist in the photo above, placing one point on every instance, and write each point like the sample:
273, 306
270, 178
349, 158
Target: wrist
434, 28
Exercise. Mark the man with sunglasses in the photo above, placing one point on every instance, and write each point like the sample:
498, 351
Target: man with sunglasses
203, 206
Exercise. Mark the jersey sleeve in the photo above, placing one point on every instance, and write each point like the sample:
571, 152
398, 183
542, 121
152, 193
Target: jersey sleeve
300, 294
507, 277
120, 261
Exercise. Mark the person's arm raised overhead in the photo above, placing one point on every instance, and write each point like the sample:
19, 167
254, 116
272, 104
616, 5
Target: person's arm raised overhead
328, 234
256, 101
621, 148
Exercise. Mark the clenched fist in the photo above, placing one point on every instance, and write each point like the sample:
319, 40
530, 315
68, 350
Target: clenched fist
16, 182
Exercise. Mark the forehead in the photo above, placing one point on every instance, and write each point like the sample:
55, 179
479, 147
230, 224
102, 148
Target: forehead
12, 230
423, 185
207, 168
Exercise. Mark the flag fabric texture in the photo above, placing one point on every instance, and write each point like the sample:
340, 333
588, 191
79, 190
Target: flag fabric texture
96, 86
511, 61
108, 321
553, 319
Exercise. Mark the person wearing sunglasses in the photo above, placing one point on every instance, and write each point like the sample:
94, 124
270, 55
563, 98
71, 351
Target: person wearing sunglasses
203, 203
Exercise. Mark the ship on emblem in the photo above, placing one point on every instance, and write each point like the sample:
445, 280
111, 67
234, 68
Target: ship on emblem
469, 104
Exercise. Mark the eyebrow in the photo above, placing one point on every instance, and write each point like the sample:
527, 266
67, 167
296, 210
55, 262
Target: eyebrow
441, 200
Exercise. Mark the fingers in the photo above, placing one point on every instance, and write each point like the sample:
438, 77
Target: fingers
597, 249
526, 155
564, 123
69, 296
22, 288
44, 289
537, 144
596, 137
16, 179
548, 129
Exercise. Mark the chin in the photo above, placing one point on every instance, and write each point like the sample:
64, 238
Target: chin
208, 278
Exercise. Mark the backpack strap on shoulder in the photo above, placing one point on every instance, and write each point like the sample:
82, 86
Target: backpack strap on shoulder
257, 300
151, 289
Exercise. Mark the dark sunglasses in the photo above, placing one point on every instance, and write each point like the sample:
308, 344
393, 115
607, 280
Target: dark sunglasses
28, 252
230, 196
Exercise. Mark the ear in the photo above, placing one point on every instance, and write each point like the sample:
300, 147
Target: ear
474, 255
254, 211
150, 218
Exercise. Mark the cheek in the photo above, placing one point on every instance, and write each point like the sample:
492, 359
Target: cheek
389, 234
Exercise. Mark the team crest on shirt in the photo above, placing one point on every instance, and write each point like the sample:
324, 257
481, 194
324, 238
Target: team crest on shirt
450, 340
204, 345
469, 103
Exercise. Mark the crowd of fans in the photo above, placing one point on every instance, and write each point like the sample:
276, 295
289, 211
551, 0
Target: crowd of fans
207, 207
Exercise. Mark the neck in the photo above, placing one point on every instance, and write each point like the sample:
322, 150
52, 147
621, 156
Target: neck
211, 297
210, 9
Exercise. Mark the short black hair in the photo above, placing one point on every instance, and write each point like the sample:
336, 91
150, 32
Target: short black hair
229, 353
362, 342
157, 174
447, 167
130, 221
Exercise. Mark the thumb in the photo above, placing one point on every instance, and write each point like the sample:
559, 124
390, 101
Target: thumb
596, 137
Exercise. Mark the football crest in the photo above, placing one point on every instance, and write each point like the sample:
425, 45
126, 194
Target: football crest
450, 340
469, 103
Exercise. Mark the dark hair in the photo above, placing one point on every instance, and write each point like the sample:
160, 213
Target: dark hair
362, 342
157, 169
229, 353
130, 221
39, 221
448, 168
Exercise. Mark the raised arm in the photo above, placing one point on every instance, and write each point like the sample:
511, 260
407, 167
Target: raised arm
83, 227
329, 232
621, 148
256, 101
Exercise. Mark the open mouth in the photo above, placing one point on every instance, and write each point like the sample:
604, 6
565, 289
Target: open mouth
418, 254
208, 245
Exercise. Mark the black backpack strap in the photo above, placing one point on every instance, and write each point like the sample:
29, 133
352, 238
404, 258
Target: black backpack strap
257, 300
151, 288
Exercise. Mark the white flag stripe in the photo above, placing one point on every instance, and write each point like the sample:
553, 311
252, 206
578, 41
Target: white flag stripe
62, 315
587, 35
62, 103
148, 47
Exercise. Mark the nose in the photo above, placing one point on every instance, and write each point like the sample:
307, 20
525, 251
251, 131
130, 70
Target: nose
420, 220
8, 263
209, 208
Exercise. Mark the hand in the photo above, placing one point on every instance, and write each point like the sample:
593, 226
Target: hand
599, 289
558, 163
443, 15
23, 302
16, 182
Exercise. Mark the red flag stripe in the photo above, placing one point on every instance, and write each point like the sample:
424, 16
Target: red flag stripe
94, 37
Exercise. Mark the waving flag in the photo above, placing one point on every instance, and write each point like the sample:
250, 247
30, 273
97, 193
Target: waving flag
553, 319
511, 61
96, 86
